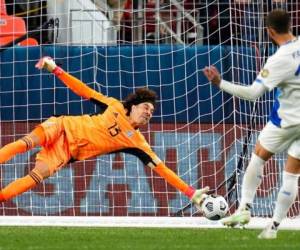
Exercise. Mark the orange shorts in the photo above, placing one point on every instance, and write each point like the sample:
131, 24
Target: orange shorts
55, 153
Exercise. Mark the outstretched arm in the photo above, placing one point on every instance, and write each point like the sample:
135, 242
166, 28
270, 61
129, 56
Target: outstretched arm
77, 86
250, 93
150, 159
195, 195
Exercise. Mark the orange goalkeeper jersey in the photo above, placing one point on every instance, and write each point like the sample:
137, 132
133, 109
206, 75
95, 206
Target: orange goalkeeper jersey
110, 131
106, 132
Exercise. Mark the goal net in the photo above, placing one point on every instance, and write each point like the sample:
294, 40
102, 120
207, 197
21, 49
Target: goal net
203, 134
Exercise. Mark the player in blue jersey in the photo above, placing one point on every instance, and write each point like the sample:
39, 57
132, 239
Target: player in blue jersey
282, 132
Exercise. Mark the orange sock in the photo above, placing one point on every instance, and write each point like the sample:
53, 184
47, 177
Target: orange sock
19, 186
11, 149
171, 177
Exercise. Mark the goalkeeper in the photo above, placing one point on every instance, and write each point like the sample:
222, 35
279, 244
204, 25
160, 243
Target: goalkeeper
73, 138
282, 73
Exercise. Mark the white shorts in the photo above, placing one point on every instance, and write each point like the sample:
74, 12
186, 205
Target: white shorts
277, 140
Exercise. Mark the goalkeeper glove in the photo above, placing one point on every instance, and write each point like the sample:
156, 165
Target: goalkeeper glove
48, 63
197, 196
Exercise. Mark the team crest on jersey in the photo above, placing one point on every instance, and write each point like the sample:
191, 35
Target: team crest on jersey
129, 133
265, 73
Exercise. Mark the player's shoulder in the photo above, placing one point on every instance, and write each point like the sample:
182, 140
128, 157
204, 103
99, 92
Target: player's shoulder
106, 99
281, 57
111, 101
140, 138
288, 49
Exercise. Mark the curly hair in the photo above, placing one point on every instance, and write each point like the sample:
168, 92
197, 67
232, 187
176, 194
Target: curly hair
139, 96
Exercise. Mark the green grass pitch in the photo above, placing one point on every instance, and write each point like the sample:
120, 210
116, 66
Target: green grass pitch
52, 238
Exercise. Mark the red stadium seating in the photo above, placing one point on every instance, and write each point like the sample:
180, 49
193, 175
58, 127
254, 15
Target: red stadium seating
12, 27
167, 12
2, 8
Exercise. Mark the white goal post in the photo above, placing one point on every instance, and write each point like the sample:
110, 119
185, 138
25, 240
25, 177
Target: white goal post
200, 132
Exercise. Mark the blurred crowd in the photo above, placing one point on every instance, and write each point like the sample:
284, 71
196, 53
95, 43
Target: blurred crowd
140, 21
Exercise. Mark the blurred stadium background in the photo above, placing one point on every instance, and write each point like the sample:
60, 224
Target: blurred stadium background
204, 135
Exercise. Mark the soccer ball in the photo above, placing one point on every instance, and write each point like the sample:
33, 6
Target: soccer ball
214, 207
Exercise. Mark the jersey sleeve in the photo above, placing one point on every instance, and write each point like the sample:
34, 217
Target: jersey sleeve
276, 70
146, 154
247, 92
149, 158
81, 89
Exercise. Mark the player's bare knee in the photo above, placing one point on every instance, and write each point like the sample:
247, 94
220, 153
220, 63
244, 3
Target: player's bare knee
292, 165
261, 152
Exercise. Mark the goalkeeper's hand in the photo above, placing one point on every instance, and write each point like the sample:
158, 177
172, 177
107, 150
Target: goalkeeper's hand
199, 196
47, 63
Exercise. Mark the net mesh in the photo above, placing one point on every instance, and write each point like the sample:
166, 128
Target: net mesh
203, 134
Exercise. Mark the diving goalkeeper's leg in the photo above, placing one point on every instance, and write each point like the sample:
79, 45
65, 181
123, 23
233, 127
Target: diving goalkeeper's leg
21, 185
35, 138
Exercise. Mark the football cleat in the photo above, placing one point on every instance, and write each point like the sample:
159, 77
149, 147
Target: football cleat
240, 217
270, 232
